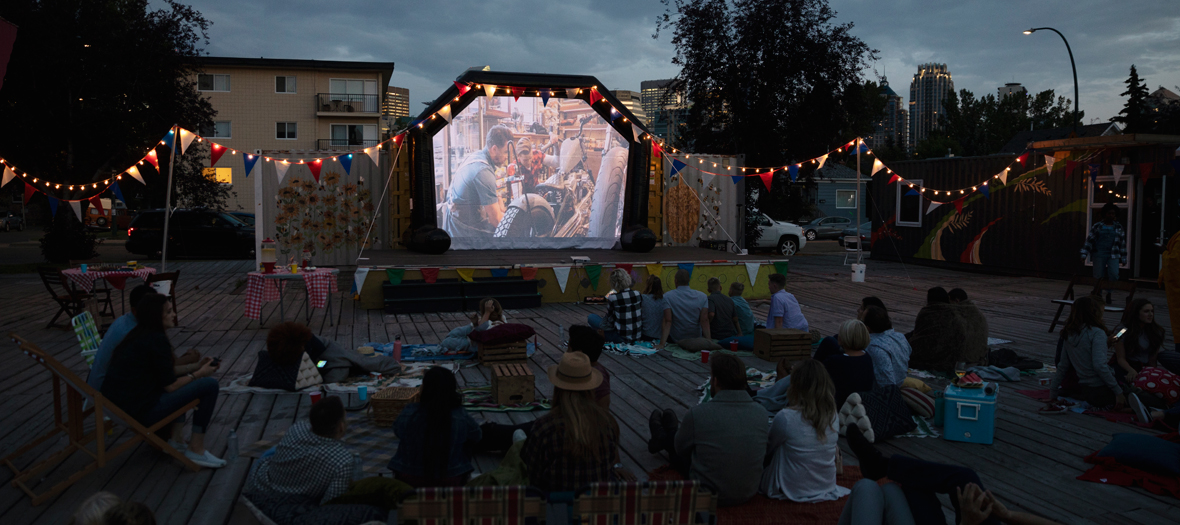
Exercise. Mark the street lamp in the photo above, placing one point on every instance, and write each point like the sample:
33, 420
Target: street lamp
1072, 65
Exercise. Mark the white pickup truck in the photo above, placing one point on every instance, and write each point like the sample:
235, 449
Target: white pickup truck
783, 237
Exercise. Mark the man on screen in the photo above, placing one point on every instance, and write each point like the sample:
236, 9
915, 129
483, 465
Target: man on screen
473, 208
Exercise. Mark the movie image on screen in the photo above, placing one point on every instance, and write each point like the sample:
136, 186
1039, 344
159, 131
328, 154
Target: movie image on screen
522, 174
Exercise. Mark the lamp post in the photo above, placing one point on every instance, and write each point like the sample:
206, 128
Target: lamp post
1072, 65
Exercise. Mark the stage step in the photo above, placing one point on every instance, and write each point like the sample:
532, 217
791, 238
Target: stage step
453, 295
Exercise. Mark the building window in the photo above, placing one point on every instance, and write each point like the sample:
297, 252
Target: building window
845, 199
220, 130
212, 82
222, 175
909, 207
286, 131
353, 135
284, 84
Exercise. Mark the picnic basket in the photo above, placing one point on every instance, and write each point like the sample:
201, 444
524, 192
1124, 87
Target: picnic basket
387, 404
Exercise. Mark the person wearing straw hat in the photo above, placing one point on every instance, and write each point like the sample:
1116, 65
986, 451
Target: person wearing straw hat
577, 443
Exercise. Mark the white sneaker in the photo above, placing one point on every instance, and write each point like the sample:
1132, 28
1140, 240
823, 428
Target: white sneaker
1140, 409
519, 435
206, 460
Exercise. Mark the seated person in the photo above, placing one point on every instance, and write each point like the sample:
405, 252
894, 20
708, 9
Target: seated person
577, 442
947, 333
436, 435
830, 345
1141, 345
741, 308
1084, 351
490, 314
721, 442
309, 468
141, 379
129, 513
784, 308
803, 439
287, 342
723, 321
957, 296
624, 311
187, 362
852, 369
92, 509
889, 349
690, 311
657, 313
587, 341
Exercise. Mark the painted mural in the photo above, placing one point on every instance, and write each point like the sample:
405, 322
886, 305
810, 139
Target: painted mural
321, 217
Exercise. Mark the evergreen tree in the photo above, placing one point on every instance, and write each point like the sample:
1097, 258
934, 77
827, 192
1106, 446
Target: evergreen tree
1135, 116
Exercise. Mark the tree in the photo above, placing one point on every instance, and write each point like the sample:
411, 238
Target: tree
1135, 116
93, 85
982, 126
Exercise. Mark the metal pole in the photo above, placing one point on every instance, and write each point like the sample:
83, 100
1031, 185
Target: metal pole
859, 243
168, 198
1076, 113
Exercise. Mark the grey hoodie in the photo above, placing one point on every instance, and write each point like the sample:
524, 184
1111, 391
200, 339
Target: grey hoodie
1086, 354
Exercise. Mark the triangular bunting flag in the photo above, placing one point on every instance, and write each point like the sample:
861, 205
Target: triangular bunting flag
614, 114
134, 172
30, 190
894, 178
463, 88
911, 193
186, 138
594, 273
767, 178
933, 204
281, 167
985, 191
375, 154
794, 171
215, 153
417, 123
677, 166
249, 161
395, 275
97, 203
864, 148
656, 270
752, 271
516, 92
959, 205
315, 166
430, 275
528, 272
345, 162
167, 140
1003, 177
118, 192
562, 273
52, 206
545, 94
358, 280
686, 267
445, 113
1093, 169
737, 178
499, 272
656, 149
1049, 161
629, 268
877, 166
1145, 170
636, 133
595, 96
153, 158
1117, 171
782, 267
466, 274
8, 176
77, 207
822, 160
1022, 158
1069, 167
489, 90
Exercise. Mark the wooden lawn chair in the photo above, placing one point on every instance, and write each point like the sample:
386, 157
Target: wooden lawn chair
507, 505
71, 422
171, 278
88, 336
1068, 298
676, 502
69, 301
1121, 286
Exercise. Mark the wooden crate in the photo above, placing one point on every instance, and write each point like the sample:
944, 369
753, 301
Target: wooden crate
773, 344
513, 384
387, 404
517, 352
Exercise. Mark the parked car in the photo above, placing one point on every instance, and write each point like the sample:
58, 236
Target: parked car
825, 227
195, 232
102, 220
866, 234
246, 218
10, 221
783, 237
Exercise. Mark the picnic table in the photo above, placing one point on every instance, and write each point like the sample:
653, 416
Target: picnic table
266, 287
118, 279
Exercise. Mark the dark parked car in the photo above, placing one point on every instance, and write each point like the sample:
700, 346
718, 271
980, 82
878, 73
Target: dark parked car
191, 233
246, 218
10, 221
866, 234
825, 227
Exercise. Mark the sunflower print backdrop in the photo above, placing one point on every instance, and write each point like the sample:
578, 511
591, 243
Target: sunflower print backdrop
321, 216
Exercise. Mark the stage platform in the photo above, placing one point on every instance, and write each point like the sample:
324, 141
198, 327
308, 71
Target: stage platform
510, 258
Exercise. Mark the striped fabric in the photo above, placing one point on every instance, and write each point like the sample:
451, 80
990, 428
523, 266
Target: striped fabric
87, 336
664, 502
510, 505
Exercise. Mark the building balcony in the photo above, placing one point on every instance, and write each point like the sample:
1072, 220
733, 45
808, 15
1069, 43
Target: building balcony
344, 144
347, 105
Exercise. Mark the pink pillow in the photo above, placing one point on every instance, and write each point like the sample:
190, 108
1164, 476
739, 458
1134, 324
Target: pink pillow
502, 334
1160, 383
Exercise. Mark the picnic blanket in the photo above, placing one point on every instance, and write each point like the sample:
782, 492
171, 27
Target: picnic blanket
997, 341
424, 352
680, 353
1111, 472
923, 429
1082, 407
757, 380
410, 377
639, 349
478, 398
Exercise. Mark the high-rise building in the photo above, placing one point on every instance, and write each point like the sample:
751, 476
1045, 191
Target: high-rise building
654, 95
633, 101
396, 103
928, 90
1011, 88
895, 123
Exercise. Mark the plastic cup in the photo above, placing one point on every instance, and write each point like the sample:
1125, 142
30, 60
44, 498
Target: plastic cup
1044, 381
315, 396
84, 268
362, 392
733, 346
704, 356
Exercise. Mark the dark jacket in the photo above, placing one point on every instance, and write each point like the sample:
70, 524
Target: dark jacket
410, 428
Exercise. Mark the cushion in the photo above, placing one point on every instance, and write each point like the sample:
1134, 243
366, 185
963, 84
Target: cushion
268, 374
309, 375
503, 334
887, 411
1144, 452
1160, 383
920, 404
853, 413
917, 384
696, 344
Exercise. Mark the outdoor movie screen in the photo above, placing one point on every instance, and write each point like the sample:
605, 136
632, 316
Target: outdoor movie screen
522, 174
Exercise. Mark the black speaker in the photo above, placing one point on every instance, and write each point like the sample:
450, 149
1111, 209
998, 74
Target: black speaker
638, 239
429, 240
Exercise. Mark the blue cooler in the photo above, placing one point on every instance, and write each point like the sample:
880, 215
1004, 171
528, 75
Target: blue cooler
970, 413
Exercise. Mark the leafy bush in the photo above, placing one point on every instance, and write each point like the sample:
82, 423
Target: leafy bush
66, 239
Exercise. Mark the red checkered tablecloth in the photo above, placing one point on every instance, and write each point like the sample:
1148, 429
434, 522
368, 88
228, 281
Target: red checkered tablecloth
319, 284
261, 290
118, 279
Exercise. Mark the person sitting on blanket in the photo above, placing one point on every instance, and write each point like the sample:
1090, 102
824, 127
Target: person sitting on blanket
92, 509
657, 313
187, 362
309, 468
490, 314
946, 333
624, 311
889, 349
577, 442
784, 307
436, 435
741, 308
1143, 343
802, 446
720, 442
1084, 351
912, 497
690, 311
852, 369
142, 380
286, 343
723, 321
830, 345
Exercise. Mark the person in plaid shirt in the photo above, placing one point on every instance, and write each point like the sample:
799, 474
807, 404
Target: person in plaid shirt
1106, 246
624, 311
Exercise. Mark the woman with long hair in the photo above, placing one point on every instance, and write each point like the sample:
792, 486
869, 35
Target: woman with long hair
577, 442
657, 313
436, 435
1083, 350
489, 314
802, 446
1142, 343
141, 379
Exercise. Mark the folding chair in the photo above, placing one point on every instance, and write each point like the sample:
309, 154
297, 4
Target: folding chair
101, 286
70, 302
88, 336
71, 422
1120, 286
849, 249
678, 502
171, 278
1068, 298
508, 505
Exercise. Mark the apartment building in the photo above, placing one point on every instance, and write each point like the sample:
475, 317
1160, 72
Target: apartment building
633, 101
289, 106
928, 90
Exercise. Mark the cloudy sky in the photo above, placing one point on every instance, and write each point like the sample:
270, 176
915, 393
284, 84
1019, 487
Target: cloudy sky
434, 41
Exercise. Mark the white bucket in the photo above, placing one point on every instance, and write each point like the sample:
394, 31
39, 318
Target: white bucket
163, 287
858, 273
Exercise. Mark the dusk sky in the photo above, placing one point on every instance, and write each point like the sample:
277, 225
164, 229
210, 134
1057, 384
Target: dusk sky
980, 41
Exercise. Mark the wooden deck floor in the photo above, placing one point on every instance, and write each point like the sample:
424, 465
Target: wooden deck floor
1031, 466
